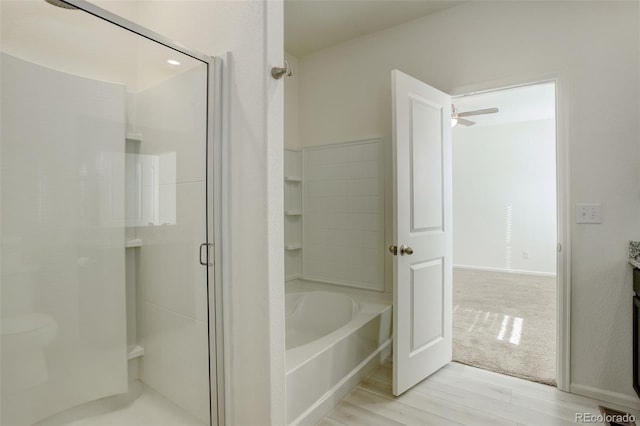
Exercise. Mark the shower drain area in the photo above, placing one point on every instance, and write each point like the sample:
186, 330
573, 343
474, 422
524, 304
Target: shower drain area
617, 418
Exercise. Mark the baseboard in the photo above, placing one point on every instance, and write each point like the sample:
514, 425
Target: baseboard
292, 277
508, 271
619, 399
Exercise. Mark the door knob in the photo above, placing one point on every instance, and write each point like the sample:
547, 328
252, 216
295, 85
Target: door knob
393, 249
405, 250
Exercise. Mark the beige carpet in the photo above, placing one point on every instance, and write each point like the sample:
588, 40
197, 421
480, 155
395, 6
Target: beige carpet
505, 323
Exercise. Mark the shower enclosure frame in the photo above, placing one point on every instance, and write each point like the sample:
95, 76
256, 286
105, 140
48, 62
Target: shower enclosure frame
215, 232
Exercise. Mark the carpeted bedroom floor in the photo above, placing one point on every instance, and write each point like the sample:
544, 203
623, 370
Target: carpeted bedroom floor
505, 323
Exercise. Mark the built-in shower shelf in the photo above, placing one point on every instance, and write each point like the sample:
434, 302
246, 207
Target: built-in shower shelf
135, 352
134, 137
133, 243
292, 179
293, 213
296, 246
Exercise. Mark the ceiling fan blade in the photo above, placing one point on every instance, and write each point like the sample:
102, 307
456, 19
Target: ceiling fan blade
465, 122
478, 112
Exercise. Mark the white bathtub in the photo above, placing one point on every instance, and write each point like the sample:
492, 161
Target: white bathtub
333, 340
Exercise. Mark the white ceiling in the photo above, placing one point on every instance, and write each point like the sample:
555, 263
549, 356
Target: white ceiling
525, 103
311, 25
78, 43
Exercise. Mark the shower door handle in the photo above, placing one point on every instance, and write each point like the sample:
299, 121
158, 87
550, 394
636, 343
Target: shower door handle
205, 262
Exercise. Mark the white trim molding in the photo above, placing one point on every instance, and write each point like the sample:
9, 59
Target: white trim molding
508, 271
564, 220
619, 399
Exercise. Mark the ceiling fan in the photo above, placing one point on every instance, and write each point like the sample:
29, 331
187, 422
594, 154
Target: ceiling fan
458, 117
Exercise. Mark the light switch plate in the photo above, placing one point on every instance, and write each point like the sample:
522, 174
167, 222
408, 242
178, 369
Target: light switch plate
589, 213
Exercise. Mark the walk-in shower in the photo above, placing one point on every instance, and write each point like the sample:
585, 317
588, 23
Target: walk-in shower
106, 200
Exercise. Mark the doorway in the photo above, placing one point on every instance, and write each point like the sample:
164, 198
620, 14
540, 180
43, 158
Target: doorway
505, 232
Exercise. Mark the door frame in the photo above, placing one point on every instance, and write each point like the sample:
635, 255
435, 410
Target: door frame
216, 194
563, 206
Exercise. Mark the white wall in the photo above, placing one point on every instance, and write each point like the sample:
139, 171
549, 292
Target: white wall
593, 46
291, 93
504, 196
252, 32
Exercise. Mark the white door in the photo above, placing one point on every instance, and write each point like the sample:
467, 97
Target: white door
422, 266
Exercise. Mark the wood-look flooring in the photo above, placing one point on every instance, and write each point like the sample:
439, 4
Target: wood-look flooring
461, 395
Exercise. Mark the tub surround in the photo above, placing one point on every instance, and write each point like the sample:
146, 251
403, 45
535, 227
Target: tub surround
338, 333
634, 253
343, 214
300, 285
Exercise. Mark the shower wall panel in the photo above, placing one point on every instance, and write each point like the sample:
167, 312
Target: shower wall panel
344, 214
62, 231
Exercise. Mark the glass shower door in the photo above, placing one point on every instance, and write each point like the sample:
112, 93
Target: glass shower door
104, 304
